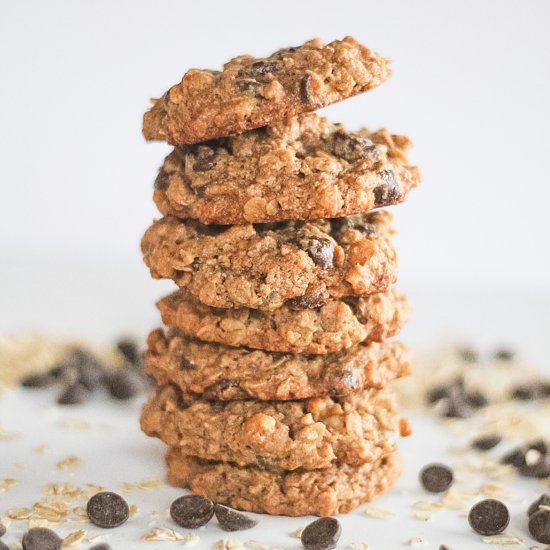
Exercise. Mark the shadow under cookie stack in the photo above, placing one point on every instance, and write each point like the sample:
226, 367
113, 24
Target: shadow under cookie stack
272, 372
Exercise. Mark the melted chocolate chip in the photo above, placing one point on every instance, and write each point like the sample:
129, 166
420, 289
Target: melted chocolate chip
192, 511
204, 159
261, 68
162, 180
321, 251
306, 93
352, 147
40, 538
231, 520
107, 510
224, 388
388, 192
436, 478
307, 301
539, 526
322, 534
489, 517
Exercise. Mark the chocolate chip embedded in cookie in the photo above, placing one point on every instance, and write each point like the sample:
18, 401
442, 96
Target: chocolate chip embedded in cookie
334, 490
337, 325
302, 168
265, 266
309, 433
251, 92
215, 371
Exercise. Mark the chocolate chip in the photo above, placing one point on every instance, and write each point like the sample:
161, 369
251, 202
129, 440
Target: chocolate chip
539, 526
322, 534
352, 147
130, 351
2, 530
538, 445
40, 380
388, 192
107, 510
504, 354
310, 300
204, 159
444, 547
538, 470
101, 546
124, 383
476, 399
515, 458
489, 517
526, 392
40, 538
74, 394
543, 500
486, 442
162, 180
192, 511
231, 520
436, 478
306, 92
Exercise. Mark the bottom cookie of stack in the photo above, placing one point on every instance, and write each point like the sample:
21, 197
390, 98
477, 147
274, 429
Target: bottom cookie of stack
326, 492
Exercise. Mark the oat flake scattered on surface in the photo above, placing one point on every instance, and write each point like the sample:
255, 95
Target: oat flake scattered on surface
379, 513
506, 539
74, 538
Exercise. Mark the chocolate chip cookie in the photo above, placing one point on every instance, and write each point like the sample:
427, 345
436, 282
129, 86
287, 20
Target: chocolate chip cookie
336, 325
334, 490
310, 433
264, 266
251, 92
303, 168
218, 372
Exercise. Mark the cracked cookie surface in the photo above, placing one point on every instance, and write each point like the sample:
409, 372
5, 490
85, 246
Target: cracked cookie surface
334, 490
252, 92
337, 325
310, 434
218, 372
264, 266
303, 168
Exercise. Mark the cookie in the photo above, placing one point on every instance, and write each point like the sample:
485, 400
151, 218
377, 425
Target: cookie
309, 433
335, 490
215, 371
251, 92
264, 266
337, 325
303, 168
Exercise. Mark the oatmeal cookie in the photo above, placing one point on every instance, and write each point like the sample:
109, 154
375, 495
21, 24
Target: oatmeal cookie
310, 434
264, 266
337, 325
218, 372
302, 168
335, 490
251, 92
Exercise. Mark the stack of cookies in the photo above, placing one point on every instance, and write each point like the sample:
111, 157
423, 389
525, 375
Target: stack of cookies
271, 373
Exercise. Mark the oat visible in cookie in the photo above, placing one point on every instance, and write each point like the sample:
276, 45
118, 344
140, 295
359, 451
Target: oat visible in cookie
302, 168
338, 489
252, 92
310, 434
302, 264
337, 325
222, 373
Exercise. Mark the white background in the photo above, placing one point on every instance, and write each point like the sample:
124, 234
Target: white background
470, 86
